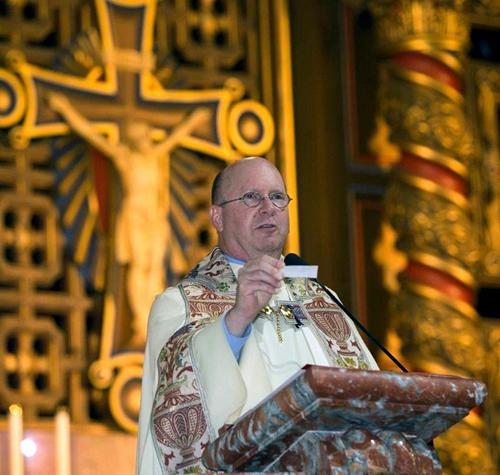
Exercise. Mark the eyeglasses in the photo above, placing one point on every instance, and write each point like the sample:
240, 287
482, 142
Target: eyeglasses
252, 199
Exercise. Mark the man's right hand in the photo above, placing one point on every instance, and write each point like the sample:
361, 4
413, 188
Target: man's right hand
258, 280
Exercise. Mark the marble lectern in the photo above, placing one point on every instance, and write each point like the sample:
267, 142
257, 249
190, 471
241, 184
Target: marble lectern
330, 420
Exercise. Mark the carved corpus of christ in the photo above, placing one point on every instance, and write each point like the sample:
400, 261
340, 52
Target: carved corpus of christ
142, 231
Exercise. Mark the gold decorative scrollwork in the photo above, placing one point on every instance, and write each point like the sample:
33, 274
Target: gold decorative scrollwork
251, 128
456, 343
125, 396
121, 375
488, 80
12, 99
432, 220
23, 240
468, 462
423, 116
188, 75
423, 25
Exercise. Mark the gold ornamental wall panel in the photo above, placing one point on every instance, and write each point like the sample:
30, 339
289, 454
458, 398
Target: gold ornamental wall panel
115, 116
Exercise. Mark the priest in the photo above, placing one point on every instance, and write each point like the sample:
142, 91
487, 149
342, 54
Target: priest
234, 329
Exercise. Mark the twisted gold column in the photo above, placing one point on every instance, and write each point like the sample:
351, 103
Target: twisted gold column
423, 43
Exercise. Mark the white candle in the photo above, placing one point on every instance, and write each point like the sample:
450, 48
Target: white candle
63, 443
16, 461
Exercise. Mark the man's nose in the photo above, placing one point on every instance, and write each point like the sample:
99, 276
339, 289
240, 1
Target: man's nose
266, 206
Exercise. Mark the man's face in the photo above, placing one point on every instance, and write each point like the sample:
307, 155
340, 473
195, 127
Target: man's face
246, 232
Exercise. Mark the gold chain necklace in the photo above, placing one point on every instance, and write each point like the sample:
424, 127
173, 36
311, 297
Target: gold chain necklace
277, 313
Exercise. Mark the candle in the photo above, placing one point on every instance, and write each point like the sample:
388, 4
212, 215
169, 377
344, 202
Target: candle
63, 443
16, 461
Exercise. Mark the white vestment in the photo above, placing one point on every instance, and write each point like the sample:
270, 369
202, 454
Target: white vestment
264, 365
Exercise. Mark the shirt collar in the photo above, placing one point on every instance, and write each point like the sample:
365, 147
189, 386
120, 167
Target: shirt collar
241, 262
234, 260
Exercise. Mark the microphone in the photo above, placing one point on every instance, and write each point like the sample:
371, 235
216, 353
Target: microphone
294, 260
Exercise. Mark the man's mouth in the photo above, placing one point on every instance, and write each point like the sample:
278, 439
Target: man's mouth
266, 226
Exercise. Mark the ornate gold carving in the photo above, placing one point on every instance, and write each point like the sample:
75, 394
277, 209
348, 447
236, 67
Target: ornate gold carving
453, 62
488, 79
456, 342
41, 362
12, 99
175, 62
463, 275
474, 456
392, 260
194, 120
125, 396
251, 128
432, 366
205, 34
432, 224
28, 234
488, 220
387, 153
431, 293
428, 82
430, 186
393, 341
422, 116
492, 404
28, 24
433, 156
419, 24
431, 207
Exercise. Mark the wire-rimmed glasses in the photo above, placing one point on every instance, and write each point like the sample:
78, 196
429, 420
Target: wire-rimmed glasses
252, 199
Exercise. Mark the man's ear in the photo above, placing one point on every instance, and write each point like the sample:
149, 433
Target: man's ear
216, 217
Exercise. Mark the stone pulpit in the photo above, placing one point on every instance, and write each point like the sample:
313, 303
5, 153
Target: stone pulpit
331, 420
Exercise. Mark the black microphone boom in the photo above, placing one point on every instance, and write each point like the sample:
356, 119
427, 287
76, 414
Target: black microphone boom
294, 260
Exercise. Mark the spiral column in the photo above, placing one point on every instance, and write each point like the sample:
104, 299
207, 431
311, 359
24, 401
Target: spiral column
428, 204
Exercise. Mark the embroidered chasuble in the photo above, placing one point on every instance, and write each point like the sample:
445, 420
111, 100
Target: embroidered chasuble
199, 386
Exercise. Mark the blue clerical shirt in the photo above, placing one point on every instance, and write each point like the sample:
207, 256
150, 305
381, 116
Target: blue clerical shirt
235, 342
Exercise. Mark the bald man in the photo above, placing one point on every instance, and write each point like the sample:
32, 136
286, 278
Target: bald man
234, 329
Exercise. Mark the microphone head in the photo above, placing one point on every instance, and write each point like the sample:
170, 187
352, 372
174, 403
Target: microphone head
294, 260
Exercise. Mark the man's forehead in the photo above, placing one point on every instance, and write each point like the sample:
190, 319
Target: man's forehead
252, 171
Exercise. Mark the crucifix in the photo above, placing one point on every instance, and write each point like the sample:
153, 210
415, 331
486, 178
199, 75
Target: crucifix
117, 108
141, 232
